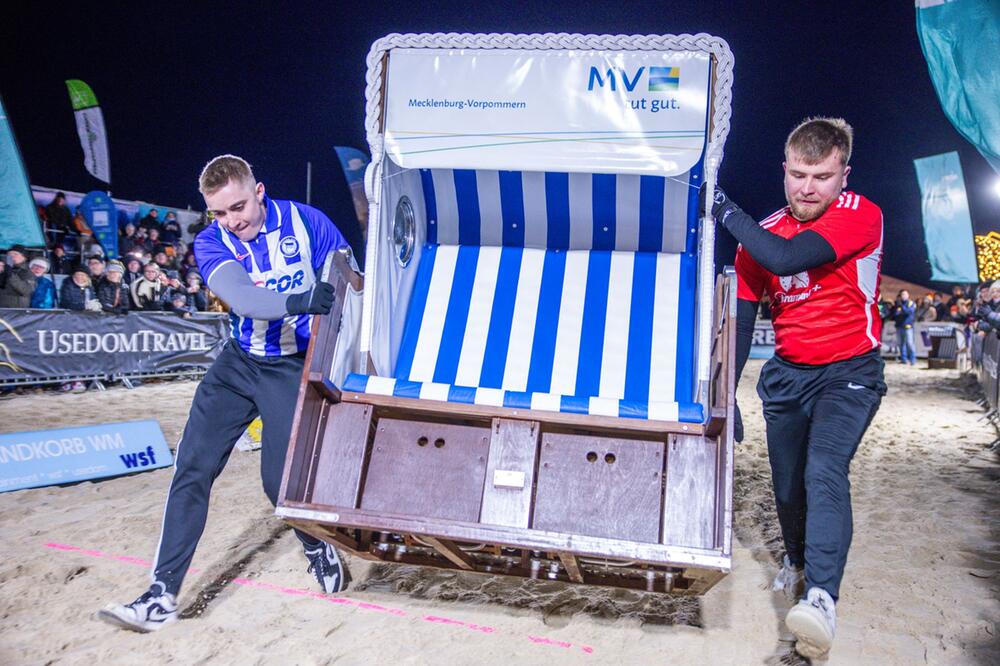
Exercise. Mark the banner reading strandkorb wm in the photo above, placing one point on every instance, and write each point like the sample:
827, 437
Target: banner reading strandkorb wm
638, 112
48, 457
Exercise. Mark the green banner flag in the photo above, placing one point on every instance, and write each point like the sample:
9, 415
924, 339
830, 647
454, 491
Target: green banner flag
80, 94
90, 127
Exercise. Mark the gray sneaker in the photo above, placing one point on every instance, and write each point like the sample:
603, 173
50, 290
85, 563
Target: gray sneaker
152, 611
813, 621
790, 581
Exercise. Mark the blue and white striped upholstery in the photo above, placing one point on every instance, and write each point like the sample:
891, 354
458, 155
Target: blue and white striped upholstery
559, 211
554, 292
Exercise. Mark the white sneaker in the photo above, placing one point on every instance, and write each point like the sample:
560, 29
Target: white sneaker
330, 572
813, 621
791, 580
152, 611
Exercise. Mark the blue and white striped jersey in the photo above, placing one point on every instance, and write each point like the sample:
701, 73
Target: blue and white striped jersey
286, 256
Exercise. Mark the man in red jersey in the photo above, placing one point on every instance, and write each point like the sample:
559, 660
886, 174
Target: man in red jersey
819, 260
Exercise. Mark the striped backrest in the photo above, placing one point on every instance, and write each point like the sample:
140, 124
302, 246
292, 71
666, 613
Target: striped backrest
574, 211
597, 322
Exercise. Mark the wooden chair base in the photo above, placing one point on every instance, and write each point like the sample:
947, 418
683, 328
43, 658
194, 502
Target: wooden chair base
577, 498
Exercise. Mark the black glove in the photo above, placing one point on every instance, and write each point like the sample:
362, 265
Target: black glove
737, 424
722, 205
317, 300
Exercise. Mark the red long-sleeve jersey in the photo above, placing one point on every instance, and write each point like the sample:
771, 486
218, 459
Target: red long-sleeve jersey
828, 313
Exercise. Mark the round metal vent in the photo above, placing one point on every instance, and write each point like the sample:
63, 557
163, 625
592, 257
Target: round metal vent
404, 231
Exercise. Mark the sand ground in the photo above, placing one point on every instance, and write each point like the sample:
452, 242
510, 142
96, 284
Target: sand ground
922, 583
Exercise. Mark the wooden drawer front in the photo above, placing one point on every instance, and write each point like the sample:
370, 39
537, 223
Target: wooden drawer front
430, 470
341, 456
689, 514
599, 486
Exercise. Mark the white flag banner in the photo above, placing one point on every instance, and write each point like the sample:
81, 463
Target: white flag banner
90, 127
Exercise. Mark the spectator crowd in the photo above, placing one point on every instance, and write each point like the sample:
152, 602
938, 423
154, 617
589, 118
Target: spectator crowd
976, 308
155, 269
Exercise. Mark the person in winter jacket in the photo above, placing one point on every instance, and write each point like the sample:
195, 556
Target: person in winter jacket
904, 314
61, 264
147, 291
77, 291
17, 282
44, 296
112, 291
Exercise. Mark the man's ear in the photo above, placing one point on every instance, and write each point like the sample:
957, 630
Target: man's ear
843, 183
260, 193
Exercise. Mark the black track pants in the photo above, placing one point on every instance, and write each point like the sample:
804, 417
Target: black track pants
235, 390
816, 417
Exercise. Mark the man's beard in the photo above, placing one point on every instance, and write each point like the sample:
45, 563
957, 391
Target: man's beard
812, 212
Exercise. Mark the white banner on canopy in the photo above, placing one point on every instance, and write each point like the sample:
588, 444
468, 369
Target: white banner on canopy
640, 112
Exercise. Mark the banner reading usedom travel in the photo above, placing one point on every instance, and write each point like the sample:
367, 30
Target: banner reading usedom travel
41, 344
640, 112
947, 224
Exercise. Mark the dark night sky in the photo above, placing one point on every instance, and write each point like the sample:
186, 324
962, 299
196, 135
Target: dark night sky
282, 83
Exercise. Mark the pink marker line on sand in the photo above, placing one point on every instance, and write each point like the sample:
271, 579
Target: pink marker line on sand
299, 592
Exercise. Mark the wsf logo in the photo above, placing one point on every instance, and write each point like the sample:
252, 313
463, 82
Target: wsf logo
140, 459
658, 79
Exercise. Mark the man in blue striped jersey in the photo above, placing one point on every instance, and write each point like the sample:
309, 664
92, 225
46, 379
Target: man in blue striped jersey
263, 257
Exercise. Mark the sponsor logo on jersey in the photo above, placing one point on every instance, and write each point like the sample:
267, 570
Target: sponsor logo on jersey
283, 283
797, 281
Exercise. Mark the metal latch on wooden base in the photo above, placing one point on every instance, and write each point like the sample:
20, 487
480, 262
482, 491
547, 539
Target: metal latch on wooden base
505, 478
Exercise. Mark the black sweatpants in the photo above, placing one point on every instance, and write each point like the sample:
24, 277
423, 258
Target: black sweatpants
235, 390
816, 417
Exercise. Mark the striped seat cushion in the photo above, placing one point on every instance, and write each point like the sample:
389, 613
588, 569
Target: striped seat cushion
580, 331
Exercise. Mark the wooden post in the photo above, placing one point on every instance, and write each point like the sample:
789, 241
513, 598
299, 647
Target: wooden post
510, 473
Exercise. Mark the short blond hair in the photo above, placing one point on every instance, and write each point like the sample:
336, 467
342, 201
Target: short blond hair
222, 169
815, 138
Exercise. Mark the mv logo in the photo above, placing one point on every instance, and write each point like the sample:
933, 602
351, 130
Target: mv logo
5, 360
797, 281
658, 79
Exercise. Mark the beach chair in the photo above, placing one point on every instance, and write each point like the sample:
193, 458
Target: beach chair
537, 378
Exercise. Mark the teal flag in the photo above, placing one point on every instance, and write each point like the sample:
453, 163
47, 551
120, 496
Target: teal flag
19, 222
961, 43
947, 225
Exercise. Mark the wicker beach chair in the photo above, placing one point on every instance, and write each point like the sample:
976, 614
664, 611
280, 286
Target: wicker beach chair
538, 379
